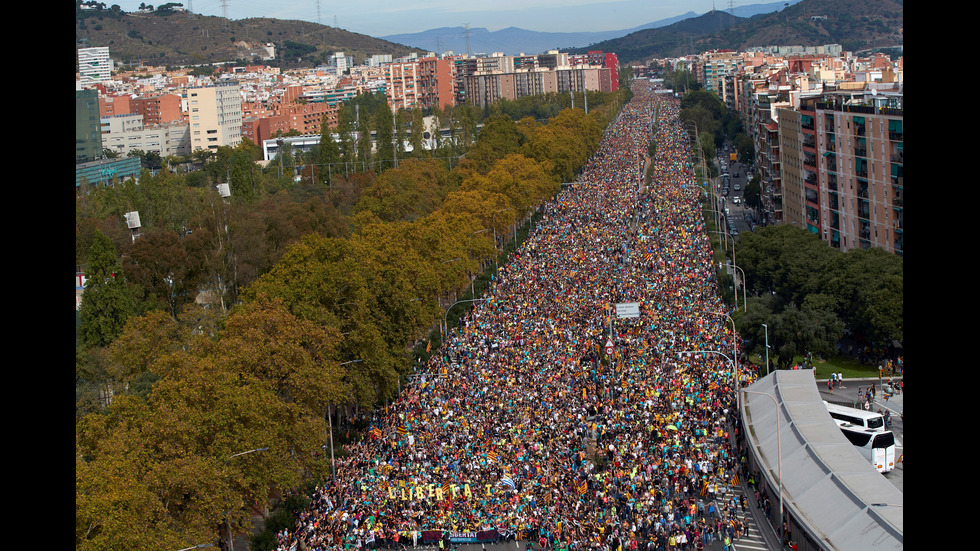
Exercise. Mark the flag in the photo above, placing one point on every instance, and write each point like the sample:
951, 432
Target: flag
735, 479
428, 347
584, 487
402, 430
376, 433
508, 482
492, 455
704, 489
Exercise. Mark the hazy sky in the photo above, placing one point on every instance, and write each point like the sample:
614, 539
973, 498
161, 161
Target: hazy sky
387, 17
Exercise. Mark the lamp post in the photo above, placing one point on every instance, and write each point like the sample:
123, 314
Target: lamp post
744, 307
734, 342
779, 457
493, 224
280, 142
333, 461
766, 327
447, 292
231, 539
472, 290
445, 319
723, 355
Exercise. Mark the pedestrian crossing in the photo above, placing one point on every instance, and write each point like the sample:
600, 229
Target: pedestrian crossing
752, 538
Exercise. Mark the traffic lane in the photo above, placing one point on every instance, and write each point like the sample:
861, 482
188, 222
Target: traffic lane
850, 393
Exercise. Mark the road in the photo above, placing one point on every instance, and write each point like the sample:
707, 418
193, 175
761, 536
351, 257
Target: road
896, 403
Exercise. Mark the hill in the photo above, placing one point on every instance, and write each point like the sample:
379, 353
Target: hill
180, 38
515, 40
854, 25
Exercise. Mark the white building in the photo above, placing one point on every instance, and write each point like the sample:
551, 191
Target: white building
94, 65
125, 133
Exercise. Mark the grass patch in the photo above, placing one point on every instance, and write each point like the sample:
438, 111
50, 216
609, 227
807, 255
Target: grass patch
850, 367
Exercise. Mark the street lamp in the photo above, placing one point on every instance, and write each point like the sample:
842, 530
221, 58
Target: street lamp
333, 461
280, 142
231, 539
766, 327
779, 457
449, 262
493, 220
723, 355
744, 307
445, 319
734, 342
472, 290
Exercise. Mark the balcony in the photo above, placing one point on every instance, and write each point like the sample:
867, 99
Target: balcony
863, 210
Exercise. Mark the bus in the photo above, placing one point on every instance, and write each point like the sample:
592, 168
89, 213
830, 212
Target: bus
856, 417
876, 445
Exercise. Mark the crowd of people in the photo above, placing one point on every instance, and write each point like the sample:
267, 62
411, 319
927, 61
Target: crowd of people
523, 424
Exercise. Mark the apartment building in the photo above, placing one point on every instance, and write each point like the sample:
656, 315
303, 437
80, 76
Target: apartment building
163, 139
714, 66
94, 65
115, 105
214, 114
859, 168
485, 81
157, 110
421, 82
401, 85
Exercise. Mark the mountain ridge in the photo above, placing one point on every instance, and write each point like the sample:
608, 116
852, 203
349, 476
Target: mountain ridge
516, 40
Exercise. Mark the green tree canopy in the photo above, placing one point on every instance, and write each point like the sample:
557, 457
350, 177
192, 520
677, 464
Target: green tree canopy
106, 302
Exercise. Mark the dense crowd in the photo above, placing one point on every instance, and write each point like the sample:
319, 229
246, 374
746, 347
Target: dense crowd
524, 425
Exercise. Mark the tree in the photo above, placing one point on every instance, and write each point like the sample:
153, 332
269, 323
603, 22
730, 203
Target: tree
161, 263
414, 189
416, 137
106, 302
143, 340
328, 153
384, 147
753, 192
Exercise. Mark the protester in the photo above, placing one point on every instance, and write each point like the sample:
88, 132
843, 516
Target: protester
530, 428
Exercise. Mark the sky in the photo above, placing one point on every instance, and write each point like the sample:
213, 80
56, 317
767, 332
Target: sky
380, 18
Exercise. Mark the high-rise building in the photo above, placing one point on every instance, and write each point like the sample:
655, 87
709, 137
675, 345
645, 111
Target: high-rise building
214, 114
845, 180
94, 65
88, 128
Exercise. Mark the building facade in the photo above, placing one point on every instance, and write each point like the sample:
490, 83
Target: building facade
859, 156
88, 133
214, 114
94, 65
162, 109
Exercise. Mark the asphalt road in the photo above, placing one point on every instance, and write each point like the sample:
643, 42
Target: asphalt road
896, 403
